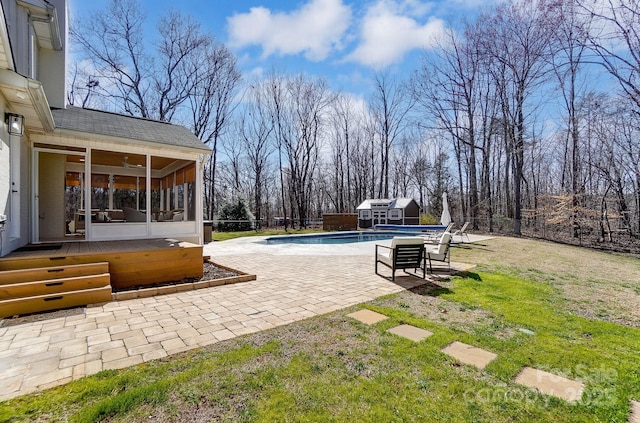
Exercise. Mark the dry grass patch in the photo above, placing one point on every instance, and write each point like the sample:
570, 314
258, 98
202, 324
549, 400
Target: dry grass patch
424, 302
593, 284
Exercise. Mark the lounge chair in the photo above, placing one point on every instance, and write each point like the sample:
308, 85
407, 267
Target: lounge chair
404, 253
434, 237
462, 232
439, 252
133, 215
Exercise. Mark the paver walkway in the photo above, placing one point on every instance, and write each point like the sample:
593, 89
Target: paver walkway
289, 287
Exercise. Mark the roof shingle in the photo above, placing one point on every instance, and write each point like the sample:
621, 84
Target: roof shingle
117, 125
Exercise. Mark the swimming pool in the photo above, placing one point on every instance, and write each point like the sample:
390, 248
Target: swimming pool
336, 237
411, 228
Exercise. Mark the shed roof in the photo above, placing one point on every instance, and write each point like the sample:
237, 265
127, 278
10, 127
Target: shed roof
366, 204
122, 126
401, 203
398, 203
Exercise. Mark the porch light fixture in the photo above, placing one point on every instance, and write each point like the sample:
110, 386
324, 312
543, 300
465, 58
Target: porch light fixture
15, 123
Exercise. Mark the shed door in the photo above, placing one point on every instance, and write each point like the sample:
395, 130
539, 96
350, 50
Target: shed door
379, 217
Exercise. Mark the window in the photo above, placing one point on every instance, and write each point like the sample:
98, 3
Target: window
118, 182
173, 189
100, 191
365, 214
395, 214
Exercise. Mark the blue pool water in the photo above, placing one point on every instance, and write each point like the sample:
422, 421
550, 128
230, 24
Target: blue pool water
336, 238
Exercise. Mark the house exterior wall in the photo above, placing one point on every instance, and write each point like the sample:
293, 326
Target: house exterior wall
5, 178
15, 190
52, 64
42, 64
43, 60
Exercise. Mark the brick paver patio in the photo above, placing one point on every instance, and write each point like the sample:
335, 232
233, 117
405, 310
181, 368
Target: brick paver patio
38, 355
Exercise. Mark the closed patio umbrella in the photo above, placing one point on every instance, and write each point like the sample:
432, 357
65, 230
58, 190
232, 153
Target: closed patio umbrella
445, 219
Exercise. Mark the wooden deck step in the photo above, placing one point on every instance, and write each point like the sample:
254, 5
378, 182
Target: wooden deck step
10, 277
39, 289
53, 286
127, 268
55, 301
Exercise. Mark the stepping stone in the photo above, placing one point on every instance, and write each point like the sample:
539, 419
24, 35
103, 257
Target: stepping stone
367, 317
634, 417
469, 354
410, 332
550, 384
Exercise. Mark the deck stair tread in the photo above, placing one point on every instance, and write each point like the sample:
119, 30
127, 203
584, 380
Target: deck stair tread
37, 289
54, 272
53, 286
56, 301
128, 264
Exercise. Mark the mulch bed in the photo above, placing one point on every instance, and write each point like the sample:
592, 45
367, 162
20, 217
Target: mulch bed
210, 272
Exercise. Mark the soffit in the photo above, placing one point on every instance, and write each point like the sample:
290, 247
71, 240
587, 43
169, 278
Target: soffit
26, 97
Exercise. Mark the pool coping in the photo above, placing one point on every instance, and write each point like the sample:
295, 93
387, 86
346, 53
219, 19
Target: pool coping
341, 235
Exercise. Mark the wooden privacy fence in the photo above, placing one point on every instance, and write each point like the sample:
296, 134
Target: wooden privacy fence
340, 222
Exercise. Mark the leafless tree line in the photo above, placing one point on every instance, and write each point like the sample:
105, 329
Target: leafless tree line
528, 113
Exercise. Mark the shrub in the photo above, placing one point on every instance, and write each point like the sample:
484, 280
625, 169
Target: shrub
429, 219
235, 211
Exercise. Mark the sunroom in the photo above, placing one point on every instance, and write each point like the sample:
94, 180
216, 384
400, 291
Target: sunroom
103, 176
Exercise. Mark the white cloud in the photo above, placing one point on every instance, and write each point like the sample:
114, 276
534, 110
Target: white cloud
315, 29
387, 33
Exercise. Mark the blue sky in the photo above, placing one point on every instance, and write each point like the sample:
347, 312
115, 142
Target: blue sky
341, 40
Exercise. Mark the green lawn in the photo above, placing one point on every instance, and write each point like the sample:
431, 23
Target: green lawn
335, 369
223, 236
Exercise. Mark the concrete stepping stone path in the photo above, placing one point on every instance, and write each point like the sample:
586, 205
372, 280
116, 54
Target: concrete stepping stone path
469, 354
545, 382
367, 317
634, 417
550, 384
410, 332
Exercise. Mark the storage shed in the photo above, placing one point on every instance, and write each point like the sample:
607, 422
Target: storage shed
399, 211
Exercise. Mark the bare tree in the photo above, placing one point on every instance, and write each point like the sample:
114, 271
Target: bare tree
150, 82
308, 100
516, 37
112, 40
568, 48
81, 87
449, 87
615, 38
390, 105
178, 64
346, 121
276, 90
212, 101
255, 132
